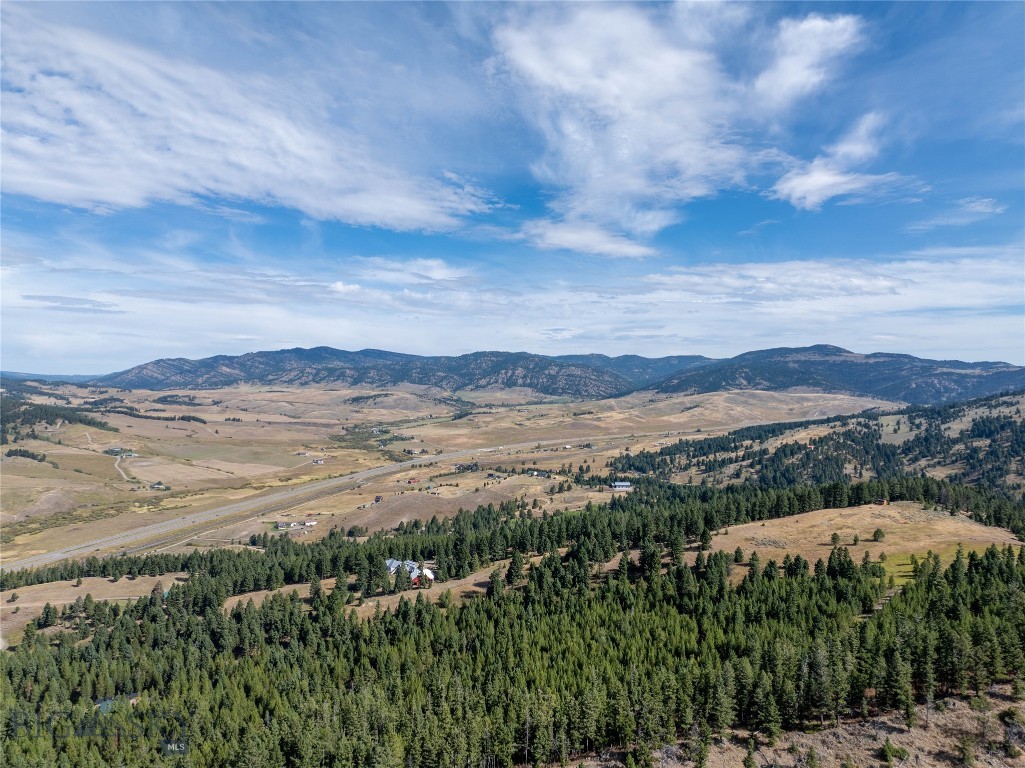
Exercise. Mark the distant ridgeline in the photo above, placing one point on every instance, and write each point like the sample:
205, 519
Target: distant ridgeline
821, 368
979, 442
637, 658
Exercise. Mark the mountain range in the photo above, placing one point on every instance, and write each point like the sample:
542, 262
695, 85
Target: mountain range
820, 368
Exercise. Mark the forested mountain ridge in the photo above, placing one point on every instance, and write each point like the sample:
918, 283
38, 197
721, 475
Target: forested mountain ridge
640, 371
977, 442
833, 369
817, 368
376, 368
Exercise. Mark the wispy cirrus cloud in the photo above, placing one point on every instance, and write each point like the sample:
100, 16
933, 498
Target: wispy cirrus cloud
583, 237
181, 306
73, 304
756, 228
968, 210
102, 124
417, 271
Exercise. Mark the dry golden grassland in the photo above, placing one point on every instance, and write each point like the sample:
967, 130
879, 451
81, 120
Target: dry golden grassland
909, 530
208, 465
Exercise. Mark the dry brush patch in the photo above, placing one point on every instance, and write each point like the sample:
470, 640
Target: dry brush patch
959, 722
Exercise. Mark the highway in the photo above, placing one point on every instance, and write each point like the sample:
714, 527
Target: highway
276, 501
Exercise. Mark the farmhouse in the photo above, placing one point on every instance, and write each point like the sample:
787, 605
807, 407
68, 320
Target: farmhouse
412, 569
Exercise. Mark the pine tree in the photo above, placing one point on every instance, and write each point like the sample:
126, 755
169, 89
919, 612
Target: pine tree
515, 572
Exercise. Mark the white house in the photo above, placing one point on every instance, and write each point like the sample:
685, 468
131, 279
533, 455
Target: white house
411, 568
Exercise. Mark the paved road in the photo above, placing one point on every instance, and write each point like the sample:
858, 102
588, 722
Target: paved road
271, 502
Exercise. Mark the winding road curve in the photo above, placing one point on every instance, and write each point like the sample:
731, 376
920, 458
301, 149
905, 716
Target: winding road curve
266, 503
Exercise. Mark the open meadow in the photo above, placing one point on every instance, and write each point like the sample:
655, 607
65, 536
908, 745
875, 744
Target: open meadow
908, 529
243, 441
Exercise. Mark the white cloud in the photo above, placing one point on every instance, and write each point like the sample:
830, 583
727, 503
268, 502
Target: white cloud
808, 51
968, 210
831, 175
582, 237
821, 180
409, 271
634, 122
641, 116
345, 288
861, 144
97, 123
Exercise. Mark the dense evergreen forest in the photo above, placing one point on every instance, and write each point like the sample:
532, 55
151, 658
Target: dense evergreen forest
558, 659
988, 451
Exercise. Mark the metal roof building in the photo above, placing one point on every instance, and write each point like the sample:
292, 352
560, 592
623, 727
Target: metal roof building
411, 567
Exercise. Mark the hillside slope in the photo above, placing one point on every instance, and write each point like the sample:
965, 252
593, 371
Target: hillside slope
822, 368
374, 368
640, 371
833, 369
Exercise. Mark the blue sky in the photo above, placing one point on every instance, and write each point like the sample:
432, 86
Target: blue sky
193, 179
